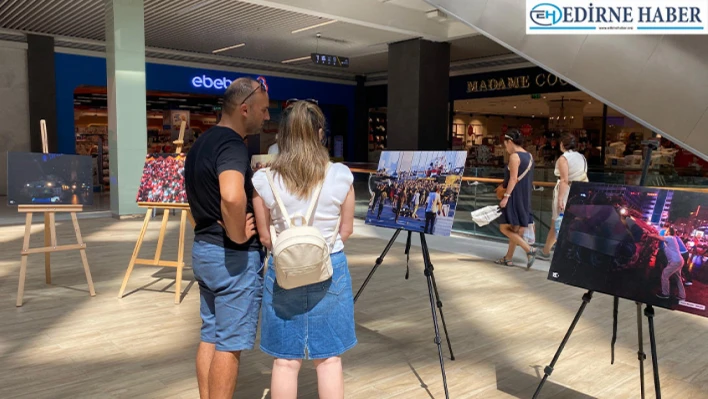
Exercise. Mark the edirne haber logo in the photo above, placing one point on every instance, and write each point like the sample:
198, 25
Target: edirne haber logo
617, 17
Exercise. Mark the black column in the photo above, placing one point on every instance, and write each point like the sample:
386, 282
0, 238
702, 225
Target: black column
42, 91
418, 95
361, 121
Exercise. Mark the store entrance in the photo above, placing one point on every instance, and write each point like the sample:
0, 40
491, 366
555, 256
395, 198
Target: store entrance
479, 126
165, 113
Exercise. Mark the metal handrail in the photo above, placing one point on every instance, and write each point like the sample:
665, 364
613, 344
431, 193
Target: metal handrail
492, 180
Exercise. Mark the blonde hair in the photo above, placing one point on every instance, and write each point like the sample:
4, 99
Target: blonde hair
302, 160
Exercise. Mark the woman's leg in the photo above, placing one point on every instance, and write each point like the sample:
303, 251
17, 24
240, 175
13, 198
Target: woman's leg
330, 378
283, 383
550, 240
514, 234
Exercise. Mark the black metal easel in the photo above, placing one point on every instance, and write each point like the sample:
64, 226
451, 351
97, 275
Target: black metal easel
648, 312
432, 292
549, 369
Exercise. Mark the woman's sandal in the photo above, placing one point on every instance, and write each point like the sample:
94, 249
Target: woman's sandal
504, 262
531, 256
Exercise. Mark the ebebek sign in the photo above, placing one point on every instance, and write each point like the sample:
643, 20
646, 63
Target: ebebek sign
211, 83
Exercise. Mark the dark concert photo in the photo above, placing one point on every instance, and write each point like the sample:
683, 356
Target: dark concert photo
642, 244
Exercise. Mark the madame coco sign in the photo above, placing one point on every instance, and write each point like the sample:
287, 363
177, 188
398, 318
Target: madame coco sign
211, 83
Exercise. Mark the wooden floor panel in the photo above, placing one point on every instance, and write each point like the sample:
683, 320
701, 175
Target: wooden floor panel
504, 324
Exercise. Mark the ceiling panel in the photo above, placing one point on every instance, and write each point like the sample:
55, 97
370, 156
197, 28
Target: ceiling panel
205, 25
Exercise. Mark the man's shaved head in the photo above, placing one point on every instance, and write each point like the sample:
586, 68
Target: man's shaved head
236, 92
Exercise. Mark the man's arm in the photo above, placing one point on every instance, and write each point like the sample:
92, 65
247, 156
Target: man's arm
239, 226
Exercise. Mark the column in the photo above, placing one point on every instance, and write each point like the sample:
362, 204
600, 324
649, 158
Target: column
127, 115
418, 95
42, 91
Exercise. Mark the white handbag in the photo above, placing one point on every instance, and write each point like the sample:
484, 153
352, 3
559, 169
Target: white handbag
486, 215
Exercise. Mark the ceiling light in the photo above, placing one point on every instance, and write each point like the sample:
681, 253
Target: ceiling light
589, 102
314, 26
533, 116
228, 48
295, 60
544, 97
514, 106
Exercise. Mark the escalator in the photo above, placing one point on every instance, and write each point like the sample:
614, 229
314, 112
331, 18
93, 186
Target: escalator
660, 81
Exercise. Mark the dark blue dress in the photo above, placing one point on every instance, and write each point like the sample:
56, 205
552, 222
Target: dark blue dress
518, 208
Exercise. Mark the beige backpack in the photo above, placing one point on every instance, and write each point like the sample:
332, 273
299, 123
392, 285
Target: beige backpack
301, 255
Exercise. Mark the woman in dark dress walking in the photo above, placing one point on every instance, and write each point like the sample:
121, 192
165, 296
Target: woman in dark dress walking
516, 204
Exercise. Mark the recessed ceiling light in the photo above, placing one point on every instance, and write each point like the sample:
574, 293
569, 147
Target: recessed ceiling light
314, 26
589, 102
514, 106
295, 60
228, 48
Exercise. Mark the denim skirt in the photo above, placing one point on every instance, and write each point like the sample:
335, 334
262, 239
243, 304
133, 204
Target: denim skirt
315, 321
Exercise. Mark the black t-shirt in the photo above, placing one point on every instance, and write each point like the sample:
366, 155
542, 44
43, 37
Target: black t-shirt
216, 150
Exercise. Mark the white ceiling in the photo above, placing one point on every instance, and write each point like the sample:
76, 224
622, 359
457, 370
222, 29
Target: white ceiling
526, 106
201, 26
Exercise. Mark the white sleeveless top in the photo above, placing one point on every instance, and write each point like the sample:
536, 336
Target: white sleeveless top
577, 166
335, 189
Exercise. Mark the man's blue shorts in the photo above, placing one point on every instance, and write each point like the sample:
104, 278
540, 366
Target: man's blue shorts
231, 289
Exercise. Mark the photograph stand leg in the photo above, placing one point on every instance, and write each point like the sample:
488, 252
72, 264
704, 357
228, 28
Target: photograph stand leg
649, 313
435, 302
378, 263
641, 356
549, 369
157, 261
50, 243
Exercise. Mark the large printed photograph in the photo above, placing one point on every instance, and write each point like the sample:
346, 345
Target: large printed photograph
416, 190
643, 244
54, 179
163, 179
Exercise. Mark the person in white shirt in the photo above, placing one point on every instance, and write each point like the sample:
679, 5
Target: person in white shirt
571, 166
273, 149
314, 321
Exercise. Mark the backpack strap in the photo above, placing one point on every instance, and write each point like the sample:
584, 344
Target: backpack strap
316, 197
336, 232
276, 195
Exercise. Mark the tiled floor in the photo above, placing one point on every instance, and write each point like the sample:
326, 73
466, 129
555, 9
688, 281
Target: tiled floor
505, 324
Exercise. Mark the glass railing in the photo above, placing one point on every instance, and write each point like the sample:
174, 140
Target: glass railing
478, 190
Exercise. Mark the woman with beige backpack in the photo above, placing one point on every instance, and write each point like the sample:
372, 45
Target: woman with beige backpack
304, 208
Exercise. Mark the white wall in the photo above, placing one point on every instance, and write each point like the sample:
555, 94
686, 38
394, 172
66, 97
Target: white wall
14, 105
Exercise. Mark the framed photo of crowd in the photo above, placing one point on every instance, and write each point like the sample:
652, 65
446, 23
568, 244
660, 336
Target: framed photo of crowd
163, 179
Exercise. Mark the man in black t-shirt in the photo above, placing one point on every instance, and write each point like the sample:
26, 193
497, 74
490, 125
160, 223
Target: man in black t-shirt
227, 258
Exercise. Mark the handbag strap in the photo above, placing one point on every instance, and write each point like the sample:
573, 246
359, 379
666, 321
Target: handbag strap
528, 168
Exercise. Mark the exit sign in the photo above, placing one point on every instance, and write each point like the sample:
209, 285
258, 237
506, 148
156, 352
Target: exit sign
535, 96
330, 60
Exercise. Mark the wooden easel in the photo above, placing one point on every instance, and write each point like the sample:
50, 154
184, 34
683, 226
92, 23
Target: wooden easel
156, 261
50, 234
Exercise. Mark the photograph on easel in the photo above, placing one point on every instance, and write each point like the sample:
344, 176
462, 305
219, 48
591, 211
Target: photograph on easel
163, 179
55, 179
416, 191
643, 244
259, 162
